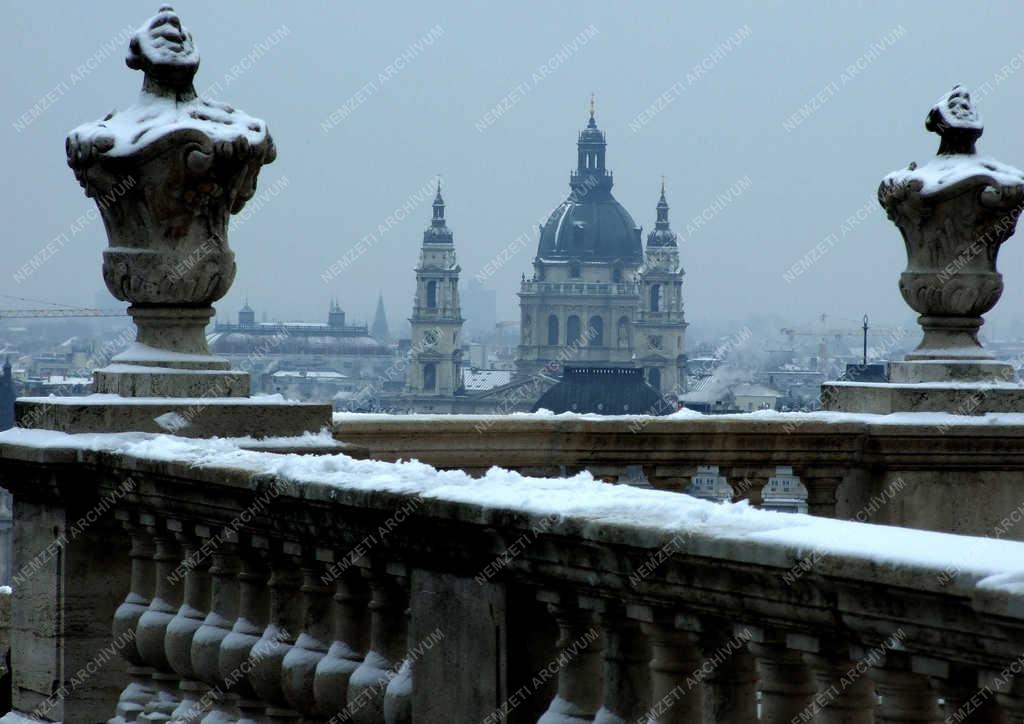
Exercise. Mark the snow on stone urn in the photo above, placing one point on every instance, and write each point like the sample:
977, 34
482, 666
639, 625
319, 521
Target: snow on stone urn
167, 172
954, 212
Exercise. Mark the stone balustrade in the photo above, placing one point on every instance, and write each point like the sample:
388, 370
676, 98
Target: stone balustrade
239, 586
939, 472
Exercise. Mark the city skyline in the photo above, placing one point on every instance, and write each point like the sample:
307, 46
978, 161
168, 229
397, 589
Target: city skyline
772, 184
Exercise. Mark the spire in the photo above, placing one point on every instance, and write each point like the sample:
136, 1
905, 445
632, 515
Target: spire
438, 231
590, 151
662, 235
662, 222
438, 205
379, 330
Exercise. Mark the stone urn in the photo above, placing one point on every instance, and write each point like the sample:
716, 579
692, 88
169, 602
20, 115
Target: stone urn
954, 212
167, 172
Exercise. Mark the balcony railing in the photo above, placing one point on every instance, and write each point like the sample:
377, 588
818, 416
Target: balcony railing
578, 288
957, 474
253, 586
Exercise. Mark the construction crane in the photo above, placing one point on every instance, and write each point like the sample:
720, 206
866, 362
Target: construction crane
836, 333
54, 310
58, 312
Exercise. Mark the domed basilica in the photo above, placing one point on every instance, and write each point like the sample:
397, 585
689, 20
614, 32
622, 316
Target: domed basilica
597, 296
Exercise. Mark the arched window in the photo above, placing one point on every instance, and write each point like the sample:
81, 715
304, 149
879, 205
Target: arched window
623, 333
654, 378
596, 332
431, 294
552, 330
572, 330
429, 377
656, 298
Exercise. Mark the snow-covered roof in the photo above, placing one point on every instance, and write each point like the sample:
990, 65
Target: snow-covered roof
750, 389
311, 374
485, 379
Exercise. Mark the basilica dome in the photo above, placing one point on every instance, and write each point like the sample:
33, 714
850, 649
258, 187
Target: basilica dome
591, 225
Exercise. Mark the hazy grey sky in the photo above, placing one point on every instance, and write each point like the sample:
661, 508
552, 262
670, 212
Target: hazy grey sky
718, 126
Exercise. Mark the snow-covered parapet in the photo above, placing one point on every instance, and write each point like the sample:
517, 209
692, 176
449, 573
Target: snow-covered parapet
166, 173
953, 212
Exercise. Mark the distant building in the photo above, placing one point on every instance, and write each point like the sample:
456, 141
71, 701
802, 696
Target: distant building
7, 396
316, 361
596, 296
435, 364
379, 331
603, 390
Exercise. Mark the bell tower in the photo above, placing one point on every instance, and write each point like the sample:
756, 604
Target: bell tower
661, 325
435, 367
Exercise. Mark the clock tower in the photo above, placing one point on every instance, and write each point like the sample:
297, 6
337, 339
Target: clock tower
435, 360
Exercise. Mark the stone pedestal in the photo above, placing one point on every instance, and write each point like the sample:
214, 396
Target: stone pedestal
167, 172
954, 213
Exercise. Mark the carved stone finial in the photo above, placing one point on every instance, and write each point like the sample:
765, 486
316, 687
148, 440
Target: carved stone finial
954, 212
956, 121
167, 172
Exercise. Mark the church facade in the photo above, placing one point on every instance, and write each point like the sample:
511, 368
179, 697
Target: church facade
597, 295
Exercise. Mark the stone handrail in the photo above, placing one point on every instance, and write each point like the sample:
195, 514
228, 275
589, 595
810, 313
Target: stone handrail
940, 472
626, 288
248, 586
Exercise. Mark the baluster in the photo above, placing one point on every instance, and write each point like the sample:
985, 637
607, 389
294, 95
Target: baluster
821, 484
151, 631
126, 618
846, 695
677, 697
969, 701
787, 688
267, 655
351, 628
299, 665
579, 659
1009, 705
235, 649
398, 694
207, 641
367, 685
748, 483
731, 683
906, 696
627, 676
194, 570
